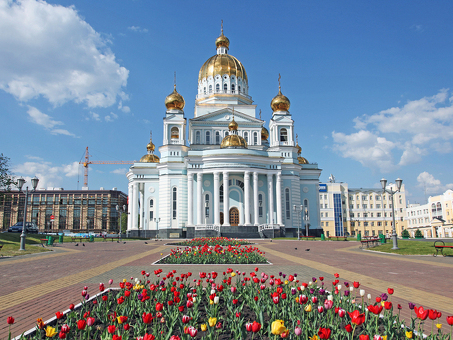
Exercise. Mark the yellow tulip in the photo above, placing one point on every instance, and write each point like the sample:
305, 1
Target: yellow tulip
204, 327
211, 302
50, 332
438, 325
314, 337
212, 321
278, 327
124, 280
286, 282
384, 337
409, 335
307, 308
233, 274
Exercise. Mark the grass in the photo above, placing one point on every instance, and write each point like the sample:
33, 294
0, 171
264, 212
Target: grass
11, 244
411, 248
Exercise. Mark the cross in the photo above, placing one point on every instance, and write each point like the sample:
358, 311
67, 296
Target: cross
297, 138
175, 80
260, 114
150, 135
221, 28
279, 77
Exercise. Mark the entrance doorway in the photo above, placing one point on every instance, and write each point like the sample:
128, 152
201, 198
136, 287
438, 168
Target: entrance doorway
221, 218
234, 217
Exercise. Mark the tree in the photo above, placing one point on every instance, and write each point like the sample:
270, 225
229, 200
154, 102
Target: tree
6, 178
418, 234
405, 233
123, 223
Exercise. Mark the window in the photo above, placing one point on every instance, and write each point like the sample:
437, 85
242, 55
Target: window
232, 88
225, 87
288, 216
322, 215
151, 203
378, 206
246, 137
260, 207
239, 88
327, 214
378, 214
151, 215
371, 206
174, 203
283, 135
327, 224
221, 193
322, 224
217, 88
210, 88
208, 137
364, 206
174, 133
206, 205
197, 137
204, 90
364, 198
217, 137
255, 138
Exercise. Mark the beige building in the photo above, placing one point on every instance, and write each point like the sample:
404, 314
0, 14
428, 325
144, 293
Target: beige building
434, 219
74, 210
348, 211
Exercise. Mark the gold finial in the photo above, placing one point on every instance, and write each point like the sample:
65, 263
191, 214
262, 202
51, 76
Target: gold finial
174, 80
150, 135
221, 27
279, 84
260, 114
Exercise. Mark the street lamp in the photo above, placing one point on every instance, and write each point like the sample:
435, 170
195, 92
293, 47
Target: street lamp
157, 220
121, 212
297, 209
391, 192
306, 218
20, 184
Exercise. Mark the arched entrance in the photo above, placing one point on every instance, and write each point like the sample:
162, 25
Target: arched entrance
221, 218
234, 217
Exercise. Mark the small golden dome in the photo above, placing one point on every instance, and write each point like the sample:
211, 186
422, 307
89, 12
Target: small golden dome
264, 133
233, 141
299, 149
150, 146
149, 158
174, 101
222, 41
233, 125
302, 160
280, 102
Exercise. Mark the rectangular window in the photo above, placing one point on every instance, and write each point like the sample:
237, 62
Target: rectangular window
364, 198
379, 224
288, 210
322, 224
371, 206
378, 214
364, 206
151, 215
378, 206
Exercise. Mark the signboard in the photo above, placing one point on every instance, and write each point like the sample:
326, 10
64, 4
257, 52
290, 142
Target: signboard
322, 187
52, 217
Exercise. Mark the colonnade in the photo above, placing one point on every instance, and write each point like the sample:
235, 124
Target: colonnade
247, 196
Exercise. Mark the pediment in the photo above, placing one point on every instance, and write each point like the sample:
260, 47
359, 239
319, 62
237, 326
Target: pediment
226, 115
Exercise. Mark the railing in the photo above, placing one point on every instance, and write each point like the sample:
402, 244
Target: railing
262, 227
176, 141
207, 94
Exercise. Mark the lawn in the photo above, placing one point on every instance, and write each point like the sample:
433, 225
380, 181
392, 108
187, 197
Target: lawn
411, 248
11, 243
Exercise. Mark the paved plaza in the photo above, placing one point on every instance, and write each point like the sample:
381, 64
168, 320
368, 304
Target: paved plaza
41, 284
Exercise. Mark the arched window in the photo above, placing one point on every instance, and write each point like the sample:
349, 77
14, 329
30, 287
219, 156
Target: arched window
225, 87
283, 135
221, 193
433, 208
217, 88
210, 88
151, 203
246, 137
204, 90
174, 133
260, 205
239, 88
217, 137
232, 88
208, 137
207, 206
287, 204
197, 137
174, 203
255, 138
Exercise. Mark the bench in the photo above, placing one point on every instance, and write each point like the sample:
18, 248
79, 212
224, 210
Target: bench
105, 238
373, 242
440, 248
43, 241
81, 239
307, 237
344, 238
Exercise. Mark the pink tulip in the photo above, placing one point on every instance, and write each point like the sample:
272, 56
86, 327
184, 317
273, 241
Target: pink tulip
298, 331
328, 304
90, 321
110, 282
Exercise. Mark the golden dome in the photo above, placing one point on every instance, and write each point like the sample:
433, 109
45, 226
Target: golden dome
149, 158
222, 41
233, 125
233, 141
174, 100
150, 146
264, 133
299, 149
302, 160
280, 102
222, 64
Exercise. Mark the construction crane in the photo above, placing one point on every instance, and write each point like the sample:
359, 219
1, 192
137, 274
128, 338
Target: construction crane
87, 162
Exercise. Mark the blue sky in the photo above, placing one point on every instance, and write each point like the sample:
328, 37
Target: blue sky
370, 84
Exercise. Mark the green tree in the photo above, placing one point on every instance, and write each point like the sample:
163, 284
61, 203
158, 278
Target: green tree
405, 233
123, 223
418, 234
6, 178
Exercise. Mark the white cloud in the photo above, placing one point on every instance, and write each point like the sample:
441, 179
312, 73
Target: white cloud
121, 171
406, 132
47, 122
417, 28
50, 51
95, 116
432, 185
125, 109
111, 117
138, 29
48, 174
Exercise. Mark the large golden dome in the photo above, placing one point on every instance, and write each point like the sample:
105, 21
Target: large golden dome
221, 64
174, 100
280, 102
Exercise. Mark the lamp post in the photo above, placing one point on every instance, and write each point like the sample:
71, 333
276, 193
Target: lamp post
157, 220
297, 209
121, 212
20, 184
306, 218
391, 192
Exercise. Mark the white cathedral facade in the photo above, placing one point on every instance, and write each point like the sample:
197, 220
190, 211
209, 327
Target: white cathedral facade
225, 173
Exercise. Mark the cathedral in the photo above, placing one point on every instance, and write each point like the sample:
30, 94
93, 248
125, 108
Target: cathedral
224, 174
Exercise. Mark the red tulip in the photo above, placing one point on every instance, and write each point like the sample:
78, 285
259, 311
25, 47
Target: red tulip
181, 308
238, 315
348, 328
193, 331
314, 299
336, 275
9, 320
256, 326
421, 313
62, 335
105, 298
439, 315
59, 315
390, 290
147, 318
356, 285
159, 306
364, 337
71, 306
378, 299
116, 337
248, 326
324, 333
255, 298
450, 320
357, 318
81, 324
90, 321
432, 314
126, 326
375, 309
388, 305
65, 328
235, 301
185, 319
341, 313
111, 329
152, 337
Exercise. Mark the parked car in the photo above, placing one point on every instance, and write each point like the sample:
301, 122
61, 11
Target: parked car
30, 227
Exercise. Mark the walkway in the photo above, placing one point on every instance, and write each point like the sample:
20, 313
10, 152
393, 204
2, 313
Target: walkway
38, 285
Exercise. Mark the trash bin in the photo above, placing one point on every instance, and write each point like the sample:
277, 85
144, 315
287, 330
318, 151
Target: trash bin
91, 238
50, 241
359, 237
382, 237
323, 238
60, 238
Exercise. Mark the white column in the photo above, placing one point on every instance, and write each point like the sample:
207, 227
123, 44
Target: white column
142, 206
190, 199
129, 207
216, 198
270, 186
134, 205
226, 200
255, 197
247, 197
200, 198
279, 199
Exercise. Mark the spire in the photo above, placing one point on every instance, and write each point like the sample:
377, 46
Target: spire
174, 81
221, 27
279, 84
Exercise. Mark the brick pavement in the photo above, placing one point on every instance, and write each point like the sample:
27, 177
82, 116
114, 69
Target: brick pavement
38, 285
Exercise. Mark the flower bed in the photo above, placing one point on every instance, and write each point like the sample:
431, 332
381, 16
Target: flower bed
236, 305
206, 254
212, 241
